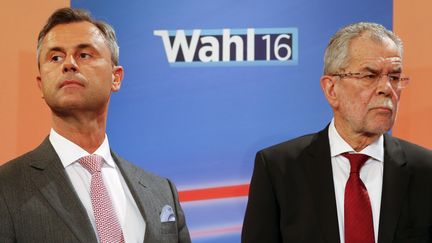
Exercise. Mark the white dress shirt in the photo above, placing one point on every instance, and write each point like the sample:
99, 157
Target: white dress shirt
371, 174
130, 218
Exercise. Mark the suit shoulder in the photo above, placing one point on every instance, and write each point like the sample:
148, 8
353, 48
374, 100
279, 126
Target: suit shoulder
14, 166
291, 148
415, 152
149, 176
160, 186
408, 146
418, 159
14, 173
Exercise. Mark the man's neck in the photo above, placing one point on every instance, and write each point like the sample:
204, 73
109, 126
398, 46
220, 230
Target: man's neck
357, 141
89, 134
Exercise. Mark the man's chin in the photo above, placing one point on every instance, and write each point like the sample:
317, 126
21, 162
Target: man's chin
380, 128
65, 108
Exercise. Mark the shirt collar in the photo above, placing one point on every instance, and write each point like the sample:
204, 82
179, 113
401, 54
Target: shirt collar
70, 152
338, 145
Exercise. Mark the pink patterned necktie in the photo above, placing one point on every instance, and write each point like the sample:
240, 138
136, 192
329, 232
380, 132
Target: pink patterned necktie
358, 211
107, 224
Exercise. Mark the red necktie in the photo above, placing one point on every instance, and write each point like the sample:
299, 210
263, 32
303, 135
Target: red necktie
107, 223
358, 211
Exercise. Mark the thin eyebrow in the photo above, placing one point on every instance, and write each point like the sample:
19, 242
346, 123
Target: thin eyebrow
56, 49
397, 70
85, 46
371, 70
79, 47
374, 71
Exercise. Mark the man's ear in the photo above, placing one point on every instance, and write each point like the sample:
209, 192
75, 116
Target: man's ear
118, 74
328, 86
39, 84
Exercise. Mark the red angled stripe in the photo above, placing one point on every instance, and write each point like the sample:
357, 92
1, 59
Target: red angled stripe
214, 193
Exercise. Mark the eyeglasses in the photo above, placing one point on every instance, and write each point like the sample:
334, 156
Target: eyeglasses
370, 79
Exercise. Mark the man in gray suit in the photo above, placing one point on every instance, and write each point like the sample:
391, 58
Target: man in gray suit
73, 187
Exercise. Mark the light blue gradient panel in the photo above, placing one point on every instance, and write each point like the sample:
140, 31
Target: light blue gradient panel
219, 239
215, 214
203, 125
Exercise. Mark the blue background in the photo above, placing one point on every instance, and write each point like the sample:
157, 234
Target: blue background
201, 126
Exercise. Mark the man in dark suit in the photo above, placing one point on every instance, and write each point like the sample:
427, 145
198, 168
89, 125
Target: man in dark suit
73, 187
350, 182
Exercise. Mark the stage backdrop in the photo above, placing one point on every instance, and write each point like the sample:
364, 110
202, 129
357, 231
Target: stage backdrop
208, 84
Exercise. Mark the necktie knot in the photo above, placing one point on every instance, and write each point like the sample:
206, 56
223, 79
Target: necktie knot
356, 161
92, 163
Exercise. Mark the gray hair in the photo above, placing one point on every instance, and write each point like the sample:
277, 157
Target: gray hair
336, 55
70, 15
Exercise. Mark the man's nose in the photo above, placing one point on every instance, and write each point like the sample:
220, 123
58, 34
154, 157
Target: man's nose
385, 85
70, 65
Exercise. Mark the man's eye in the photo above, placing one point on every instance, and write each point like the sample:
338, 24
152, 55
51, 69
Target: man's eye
370, 76
56, 58
84, 55
394, 77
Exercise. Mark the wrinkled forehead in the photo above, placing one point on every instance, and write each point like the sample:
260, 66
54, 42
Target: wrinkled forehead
377, 64
377, 54
73, 34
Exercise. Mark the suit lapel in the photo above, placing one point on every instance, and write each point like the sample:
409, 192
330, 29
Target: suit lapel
395, 183
145, 199
317, 164
48, 175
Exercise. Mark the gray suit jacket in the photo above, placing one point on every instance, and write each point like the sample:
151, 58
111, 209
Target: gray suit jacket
39, 204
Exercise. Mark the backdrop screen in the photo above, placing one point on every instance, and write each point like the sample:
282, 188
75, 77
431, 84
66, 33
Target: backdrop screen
208, 84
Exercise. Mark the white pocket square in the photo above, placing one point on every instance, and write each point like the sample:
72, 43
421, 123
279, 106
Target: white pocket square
167, 214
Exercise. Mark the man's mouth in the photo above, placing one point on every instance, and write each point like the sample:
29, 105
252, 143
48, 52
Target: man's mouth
71, 83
